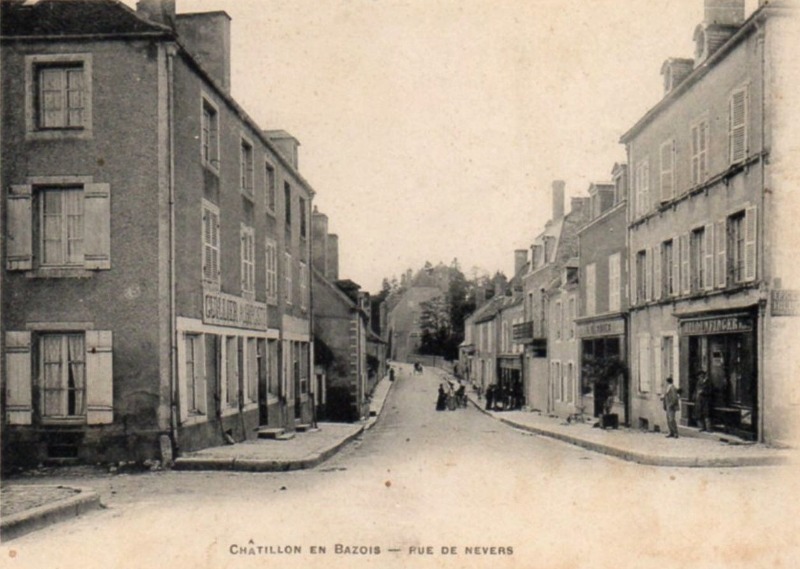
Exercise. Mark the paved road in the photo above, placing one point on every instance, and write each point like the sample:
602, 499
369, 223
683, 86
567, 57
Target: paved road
422, 479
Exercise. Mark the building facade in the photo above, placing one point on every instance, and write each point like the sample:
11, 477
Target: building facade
156, 288
705, 285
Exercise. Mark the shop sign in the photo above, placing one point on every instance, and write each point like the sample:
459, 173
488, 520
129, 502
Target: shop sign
615, 327
228, 310
721, 325
785, 303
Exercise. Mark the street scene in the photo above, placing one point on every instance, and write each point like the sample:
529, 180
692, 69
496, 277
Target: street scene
400, 283
422, 479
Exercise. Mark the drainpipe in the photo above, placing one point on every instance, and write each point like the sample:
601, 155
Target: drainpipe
173, 352
761, 249
312, 378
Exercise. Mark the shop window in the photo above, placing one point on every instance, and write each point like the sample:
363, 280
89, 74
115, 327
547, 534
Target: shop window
194, 374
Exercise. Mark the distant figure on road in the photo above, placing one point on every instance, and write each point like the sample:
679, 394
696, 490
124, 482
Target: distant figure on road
391, 374
441, 399
703, 393
417, 367
461, 396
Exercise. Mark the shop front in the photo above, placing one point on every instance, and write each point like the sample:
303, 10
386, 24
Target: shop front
603, 364
509, 381
724, 346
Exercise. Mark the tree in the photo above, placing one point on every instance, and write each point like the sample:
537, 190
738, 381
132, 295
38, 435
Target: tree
434, 324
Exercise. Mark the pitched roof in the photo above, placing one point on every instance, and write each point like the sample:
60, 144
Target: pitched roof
65, 18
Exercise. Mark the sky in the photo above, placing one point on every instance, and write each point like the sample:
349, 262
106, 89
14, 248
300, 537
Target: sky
433, 129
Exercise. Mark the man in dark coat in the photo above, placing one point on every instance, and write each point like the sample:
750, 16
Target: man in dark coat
671, 404
703, 394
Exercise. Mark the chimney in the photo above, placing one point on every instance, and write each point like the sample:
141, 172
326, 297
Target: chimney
674, 71
207, 37
319, 240
724, 12
332, 249
558, 199
158, 11
520, 259
579, 208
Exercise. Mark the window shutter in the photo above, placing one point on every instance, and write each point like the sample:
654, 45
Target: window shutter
686, 277
676, 266
656, 357
750, 238
708, 267
20, 229
633, 277
97, 226
667, 153
99, 377
738, 126
695, 154
206, 248
721, 268
648, 275
216, 252
703, 161
657, 284
19, 410
183, 401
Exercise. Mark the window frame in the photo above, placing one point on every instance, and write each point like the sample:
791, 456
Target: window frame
698, 151
288, 293
33, 64
271, 269
212, 161
63, 357
247, 254
615, 282
740, 129
270, 187
215, 280
247, 154
40, 193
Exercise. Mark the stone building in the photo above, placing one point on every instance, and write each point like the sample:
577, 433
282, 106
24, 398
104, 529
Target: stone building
156, 289
708, 229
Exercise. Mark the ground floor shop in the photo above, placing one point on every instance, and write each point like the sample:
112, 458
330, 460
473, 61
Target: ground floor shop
509, 393
604, 368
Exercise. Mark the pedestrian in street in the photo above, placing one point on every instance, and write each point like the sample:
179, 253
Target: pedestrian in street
461, 395
391, 374
441, 399
703, 394
671, 404
489, 397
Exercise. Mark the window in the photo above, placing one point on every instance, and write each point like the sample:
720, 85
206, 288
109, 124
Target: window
63, 369
248, 257
303, 285
270, 189
572, 318
246, 168
643, 187
211, 259
61, 96
641, 276
195, 403
209, 134
644, 364
698, 255
287, 201
669, 280
591, 289
303, 217
288, 277
737, 125
273, 385
614, 282
569, 388
252, 370
667, 156
60, 226
272, 271
699, 152
58, 96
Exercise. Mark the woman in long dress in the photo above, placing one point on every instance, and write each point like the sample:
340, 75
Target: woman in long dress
441, 400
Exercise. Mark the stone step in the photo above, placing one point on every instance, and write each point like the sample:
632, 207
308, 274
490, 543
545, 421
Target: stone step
302, 427
285, 437
270, 432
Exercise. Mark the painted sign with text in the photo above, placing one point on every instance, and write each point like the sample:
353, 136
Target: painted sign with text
228, 310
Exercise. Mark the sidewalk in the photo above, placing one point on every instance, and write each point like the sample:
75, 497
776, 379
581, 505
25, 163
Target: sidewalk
651, 448
26, 508
305, 450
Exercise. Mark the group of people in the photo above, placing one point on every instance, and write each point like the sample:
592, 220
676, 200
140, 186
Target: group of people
703, 397
449, 398
505, 397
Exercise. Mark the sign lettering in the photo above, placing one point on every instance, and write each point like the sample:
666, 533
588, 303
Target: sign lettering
228, 310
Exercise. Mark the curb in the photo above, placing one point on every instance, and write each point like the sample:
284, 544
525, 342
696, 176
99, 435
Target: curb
372, 420
262, 465
19, 524
643, 458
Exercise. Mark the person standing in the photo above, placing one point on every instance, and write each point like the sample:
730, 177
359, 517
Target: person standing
703, 393
490, 397
671, 404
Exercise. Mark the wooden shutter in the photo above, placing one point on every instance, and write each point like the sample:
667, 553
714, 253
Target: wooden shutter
686, 277
20, 229
99, 377
19, 393
633, 276
657, 284
708, 266
656, 357
183, 401
667, 183
644, 363
703, 158
737, 118
648, 275
750, 241
97, 226
676, 266
695, 154
720, 253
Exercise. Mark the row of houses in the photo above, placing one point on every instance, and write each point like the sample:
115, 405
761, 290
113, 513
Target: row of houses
161, 260
680, 263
